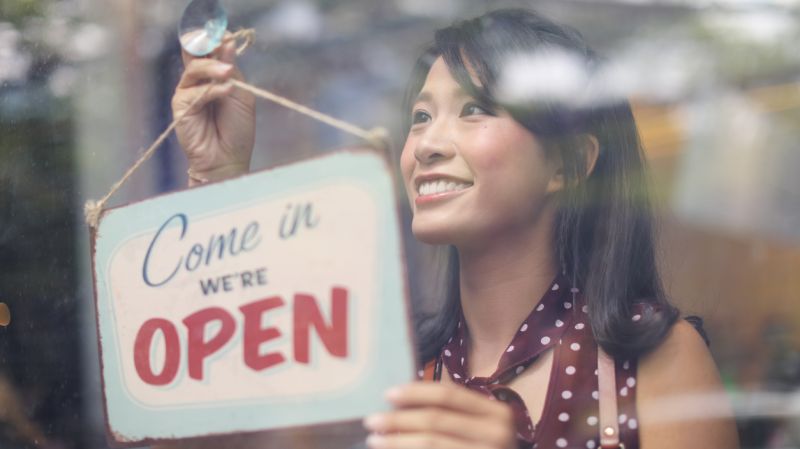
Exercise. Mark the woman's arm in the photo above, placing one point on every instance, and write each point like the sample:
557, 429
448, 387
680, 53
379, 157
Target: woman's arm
681, 402
217, 133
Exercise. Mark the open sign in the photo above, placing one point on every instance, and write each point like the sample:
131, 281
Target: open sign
272, 300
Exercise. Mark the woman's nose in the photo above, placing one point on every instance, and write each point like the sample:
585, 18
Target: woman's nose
436, 144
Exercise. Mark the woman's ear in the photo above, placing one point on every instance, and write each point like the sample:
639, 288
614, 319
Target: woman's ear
557, 180
591, 151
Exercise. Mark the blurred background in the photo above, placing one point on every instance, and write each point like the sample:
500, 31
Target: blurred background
86, 84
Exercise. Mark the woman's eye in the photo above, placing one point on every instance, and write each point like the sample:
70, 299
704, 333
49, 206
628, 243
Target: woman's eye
420, 117
475, 109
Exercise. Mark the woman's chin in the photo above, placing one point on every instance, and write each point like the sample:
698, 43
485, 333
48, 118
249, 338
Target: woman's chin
433, 235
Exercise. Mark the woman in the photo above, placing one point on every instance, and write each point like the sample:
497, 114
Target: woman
552, 251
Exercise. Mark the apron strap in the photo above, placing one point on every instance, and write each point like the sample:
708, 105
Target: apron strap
606, 379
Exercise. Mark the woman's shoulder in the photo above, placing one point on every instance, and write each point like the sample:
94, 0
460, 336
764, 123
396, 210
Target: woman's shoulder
683, 353
680, 397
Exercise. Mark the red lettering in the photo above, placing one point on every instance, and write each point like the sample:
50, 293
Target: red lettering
198, 348
255, 335
142, 346
307, 314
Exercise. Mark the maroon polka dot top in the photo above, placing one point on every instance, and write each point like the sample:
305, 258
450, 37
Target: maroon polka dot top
571, 409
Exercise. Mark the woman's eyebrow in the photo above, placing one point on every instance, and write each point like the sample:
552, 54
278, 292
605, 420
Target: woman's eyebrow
426, 96
423, 96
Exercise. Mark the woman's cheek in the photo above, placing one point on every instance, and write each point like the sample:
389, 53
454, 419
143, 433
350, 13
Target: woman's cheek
407, 162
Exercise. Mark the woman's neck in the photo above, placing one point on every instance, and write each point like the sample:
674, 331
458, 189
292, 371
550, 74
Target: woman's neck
500, 283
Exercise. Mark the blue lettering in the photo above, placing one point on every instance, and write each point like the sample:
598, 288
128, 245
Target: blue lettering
209, 286
249, 240
197, 252
145, 275
219, 245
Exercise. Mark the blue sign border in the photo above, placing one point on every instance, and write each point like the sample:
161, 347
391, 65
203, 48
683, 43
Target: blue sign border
392, 361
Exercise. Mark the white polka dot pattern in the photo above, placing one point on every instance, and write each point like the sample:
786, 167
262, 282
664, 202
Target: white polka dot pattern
570, 418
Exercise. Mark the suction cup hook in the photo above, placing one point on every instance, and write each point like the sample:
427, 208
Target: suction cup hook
202, 27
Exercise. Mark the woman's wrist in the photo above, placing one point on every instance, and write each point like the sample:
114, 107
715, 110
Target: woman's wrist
199, 177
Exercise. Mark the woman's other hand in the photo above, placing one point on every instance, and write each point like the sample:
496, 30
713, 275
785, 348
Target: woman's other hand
430, 415
218, 132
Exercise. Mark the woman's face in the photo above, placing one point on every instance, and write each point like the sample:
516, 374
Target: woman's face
471, 173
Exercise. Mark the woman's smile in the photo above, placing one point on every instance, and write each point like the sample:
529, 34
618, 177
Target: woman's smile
456, 141
431, 189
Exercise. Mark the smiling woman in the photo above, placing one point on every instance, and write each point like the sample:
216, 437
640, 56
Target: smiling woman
543, 203
497, 168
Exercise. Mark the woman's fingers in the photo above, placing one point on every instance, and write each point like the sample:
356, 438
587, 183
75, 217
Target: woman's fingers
227, 52
431, 415
431, 394
186, 96
201, 71
420, 441
461, 426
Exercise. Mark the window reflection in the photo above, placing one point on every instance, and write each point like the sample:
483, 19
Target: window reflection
85, 84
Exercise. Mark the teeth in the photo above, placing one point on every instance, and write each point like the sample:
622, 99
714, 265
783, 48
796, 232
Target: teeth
441, 186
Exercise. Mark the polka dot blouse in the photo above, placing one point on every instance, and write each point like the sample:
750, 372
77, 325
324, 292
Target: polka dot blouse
570, 415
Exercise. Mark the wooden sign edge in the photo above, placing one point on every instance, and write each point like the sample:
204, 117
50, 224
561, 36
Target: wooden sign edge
119, 441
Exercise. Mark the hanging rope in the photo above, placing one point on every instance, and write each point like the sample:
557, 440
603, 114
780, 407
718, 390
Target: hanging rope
377, 137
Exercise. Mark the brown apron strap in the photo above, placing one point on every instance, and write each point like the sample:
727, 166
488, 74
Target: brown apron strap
428, 371
606, 379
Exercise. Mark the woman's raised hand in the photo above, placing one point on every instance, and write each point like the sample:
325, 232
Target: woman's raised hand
431, 415
217, 134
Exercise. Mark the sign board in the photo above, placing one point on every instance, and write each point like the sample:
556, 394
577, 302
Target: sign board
272, 300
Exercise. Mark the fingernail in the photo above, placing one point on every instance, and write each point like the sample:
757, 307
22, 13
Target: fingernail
373, 422
223, 67
393, 393
375, 441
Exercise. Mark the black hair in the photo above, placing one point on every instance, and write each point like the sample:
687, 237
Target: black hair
604, 232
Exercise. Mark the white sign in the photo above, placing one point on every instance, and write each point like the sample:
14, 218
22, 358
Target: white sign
272, 300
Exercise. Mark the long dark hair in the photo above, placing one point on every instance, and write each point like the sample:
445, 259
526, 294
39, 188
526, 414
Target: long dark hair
604, 230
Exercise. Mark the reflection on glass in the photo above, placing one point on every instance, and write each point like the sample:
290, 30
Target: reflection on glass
202, 27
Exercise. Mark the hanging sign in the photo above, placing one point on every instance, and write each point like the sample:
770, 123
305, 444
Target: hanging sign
272, 300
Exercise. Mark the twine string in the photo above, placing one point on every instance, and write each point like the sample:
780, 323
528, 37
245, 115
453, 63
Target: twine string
377, 137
